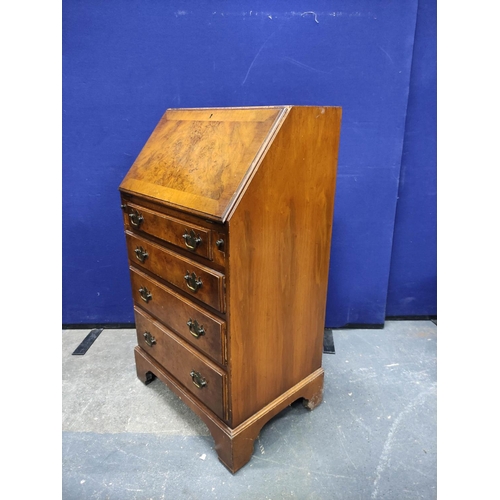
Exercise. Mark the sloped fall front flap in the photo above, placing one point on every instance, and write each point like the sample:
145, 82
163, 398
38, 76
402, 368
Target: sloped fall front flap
200, 159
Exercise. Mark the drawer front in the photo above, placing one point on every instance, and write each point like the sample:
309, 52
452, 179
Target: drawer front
199, 281
201, 329
185, 235
203, 379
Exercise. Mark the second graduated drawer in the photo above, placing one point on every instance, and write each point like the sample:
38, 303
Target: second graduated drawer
201, 329
199, 281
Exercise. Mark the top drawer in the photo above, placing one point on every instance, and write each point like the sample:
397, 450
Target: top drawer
183, 234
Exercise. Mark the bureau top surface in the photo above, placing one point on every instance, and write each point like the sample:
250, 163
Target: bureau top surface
199, 160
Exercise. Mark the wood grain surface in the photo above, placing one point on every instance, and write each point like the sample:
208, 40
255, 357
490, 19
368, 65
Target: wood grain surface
198, 159
170, 229
234, 446
173, 268
257, 185
180, 360
278, 261
174, 311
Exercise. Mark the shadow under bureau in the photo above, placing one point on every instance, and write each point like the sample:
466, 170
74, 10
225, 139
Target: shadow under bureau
228, 217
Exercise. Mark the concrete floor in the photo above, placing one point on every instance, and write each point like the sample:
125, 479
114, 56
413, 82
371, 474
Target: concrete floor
374, 435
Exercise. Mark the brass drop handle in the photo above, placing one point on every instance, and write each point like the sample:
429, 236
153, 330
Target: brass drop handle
196, 329
145, 294
198, 380
191, 239
192, 282
141, 254
150, 340
136, 218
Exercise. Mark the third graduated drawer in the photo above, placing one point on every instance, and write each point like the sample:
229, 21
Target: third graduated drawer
197, 280
201, 329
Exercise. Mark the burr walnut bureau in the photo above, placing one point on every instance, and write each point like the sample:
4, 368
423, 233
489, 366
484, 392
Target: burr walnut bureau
228, 216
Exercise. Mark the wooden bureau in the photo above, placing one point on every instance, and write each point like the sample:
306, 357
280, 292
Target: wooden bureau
228, 216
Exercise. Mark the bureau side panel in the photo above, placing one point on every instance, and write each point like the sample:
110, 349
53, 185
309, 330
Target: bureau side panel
279, 253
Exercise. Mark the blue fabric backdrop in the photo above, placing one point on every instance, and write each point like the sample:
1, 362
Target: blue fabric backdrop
412, 283
125, 62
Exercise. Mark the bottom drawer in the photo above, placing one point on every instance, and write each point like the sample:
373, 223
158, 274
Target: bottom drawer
202, 378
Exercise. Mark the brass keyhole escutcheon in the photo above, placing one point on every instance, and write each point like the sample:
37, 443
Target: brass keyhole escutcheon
198, 380
196, 329
193, 282
191, 239
149, 339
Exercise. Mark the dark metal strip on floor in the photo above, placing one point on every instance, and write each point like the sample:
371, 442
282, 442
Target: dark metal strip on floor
328, 345
87, 326
422, 317
87, 342
358, 326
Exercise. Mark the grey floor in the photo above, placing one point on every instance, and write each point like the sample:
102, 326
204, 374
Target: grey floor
374, 435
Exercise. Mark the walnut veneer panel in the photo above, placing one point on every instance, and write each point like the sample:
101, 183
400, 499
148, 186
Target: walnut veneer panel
174, 268
199, 160
180, 360
180, 315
